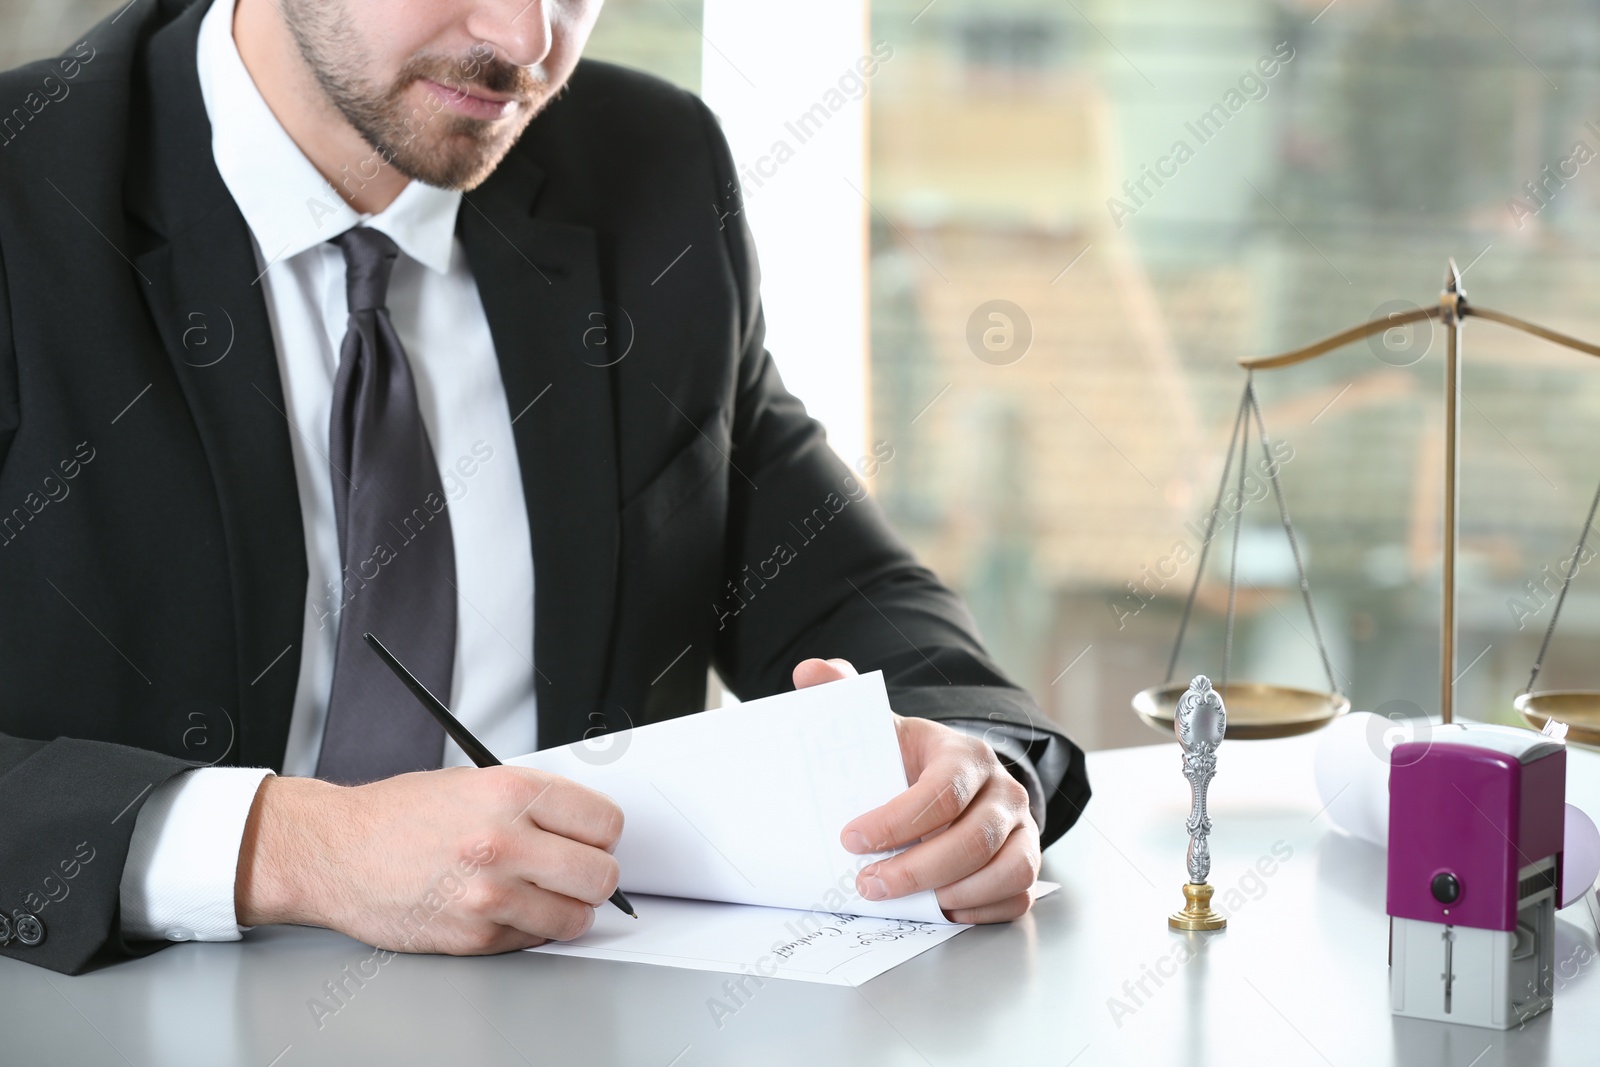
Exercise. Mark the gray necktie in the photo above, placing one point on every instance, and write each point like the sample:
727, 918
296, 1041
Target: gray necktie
398, 578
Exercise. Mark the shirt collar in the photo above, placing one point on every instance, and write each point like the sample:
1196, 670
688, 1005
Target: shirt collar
285, 201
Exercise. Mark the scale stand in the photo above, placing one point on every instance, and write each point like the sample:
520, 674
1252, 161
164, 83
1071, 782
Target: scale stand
1257, 710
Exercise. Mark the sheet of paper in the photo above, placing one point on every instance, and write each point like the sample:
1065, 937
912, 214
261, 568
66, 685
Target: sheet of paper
804, 946
745, 804
705, 935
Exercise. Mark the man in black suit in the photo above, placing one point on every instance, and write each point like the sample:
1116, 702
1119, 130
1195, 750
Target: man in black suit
193, 462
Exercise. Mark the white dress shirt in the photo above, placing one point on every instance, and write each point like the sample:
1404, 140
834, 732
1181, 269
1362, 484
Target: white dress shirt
179, 880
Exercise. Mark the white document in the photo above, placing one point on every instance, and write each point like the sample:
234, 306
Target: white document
803, 946
745, 804
768, 943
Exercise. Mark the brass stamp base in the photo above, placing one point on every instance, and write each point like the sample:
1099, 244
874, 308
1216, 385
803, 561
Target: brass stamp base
1197, 913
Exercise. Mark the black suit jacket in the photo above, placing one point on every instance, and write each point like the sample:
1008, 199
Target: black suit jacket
152, 559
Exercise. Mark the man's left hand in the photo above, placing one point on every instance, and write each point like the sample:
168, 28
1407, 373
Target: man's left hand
972, 838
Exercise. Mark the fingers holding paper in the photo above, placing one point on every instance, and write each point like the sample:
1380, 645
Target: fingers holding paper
964, 822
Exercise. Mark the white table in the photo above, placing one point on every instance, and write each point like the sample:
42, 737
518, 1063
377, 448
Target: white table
1299, 976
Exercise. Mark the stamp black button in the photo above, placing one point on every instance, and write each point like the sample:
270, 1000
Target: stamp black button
1446, 888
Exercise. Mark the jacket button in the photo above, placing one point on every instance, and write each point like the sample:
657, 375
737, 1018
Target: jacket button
5, 931
30, 928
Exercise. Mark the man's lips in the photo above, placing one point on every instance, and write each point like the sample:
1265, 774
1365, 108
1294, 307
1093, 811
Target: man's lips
472, 104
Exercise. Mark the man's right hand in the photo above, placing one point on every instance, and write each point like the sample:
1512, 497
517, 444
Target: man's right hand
464, 860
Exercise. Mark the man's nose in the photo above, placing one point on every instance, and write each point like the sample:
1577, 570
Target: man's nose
520, 31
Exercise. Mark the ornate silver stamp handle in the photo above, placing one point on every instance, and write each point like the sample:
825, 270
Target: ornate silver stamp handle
1199, 722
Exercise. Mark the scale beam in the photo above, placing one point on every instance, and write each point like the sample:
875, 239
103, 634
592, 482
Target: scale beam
1406, 318
1451, 311
1339, 340
1530, 328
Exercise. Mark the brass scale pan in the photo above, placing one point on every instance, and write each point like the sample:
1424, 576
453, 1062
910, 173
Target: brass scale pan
1255, 711
1578, 708
1258, 711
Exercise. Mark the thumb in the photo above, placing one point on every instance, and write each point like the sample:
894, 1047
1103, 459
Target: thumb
816, 671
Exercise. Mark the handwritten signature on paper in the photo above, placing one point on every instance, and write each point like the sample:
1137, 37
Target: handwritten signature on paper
901, 930
882, 931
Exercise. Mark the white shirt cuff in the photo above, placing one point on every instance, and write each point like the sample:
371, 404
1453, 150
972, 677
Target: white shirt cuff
184, 855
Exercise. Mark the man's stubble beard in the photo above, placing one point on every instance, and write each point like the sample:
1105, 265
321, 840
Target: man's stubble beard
436, 147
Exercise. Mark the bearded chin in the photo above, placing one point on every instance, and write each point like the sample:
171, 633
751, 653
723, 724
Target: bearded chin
423, 140
435, 148
451, 152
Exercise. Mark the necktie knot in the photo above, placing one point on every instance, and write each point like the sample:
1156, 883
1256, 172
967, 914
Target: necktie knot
369, 257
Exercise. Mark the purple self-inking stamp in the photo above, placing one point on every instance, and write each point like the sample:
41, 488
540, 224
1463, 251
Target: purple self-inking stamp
1476, 822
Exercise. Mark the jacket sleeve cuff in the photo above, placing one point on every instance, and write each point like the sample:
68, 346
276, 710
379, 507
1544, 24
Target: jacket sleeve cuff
183, 857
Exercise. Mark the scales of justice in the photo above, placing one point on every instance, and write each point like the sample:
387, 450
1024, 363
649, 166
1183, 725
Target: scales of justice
1201, 714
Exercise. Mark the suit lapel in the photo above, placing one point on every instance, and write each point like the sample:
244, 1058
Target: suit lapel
210, 312
540, 285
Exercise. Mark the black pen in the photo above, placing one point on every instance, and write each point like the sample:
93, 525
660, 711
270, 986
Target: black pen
458, 733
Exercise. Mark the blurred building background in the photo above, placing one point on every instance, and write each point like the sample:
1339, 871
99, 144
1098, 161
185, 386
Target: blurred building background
1397, 135
1050, 462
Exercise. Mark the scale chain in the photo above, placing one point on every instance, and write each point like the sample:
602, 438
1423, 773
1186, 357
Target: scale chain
1566, 583
1238, 526
1294, 545
1249, 405
1205, 546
